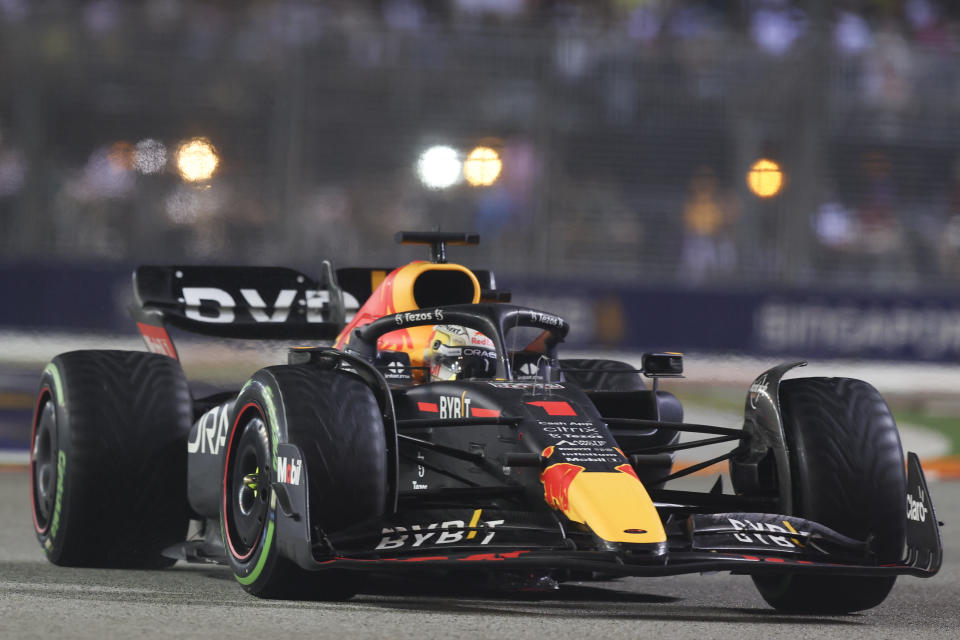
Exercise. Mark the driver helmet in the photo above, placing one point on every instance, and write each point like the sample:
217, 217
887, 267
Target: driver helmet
456, 352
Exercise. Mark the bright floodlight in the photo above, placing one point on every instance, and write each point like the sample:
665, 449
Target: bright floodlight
765, 178
197, 160
439, 167
149, 156
482, 167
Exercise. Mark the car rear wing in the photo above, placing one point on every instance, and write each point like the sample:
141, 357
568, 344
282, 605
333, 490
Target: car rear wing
266, 303
256, 303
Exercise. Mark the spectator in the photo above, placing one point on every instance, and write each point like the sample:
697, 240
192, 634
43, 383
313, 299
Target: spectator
704, 219
836, 229
948, 249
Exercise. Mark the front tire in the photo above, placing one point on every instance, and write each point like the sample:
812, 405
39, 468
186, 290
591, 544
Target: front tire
334, 419
849, 475
108, 459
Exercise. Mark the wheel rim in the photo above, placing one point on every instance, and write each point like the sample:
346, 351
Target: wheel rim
43, 463
248, 488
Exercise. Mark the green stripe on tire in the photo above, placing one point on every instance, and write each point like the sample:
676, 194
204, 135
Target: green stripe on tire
61, 471
262, 560
272, 420
57, 384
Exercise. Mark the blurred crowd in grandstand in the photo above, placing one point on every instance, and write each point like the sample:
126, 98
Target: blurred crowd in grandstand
626, 129
774, 25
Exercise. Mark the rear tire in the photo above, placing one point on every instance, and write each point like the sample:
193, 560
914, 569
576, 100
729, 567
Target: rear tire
334, 419
108, 459
848, 471
602, 375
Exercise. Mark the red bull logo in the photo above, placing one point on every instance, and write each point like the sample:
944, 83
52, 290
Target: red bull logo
556, 481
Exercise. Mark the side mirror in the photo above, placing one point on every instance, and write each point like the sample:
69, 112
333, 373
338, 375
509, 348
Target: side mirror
663, 365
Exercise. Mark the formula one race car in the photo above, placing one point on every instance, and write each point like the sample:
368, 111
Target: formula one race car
442, 431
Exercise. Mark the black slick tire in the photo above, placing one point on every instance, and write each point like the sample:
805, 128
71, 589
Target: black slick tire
334, 419
848, 471
108, 459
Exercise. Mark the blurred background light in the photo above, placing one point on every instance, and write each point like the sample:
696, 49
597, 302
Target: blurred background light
120, 156
439, 167
765, 178
150, 156
106, 175
197, 159
482, 167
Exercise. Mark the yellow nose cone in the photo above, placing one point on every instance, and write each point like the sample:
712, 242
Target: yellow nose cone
616, 506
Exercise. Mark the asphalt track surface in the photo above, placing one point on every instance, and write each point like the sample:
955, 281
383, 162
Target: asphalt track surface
39, 600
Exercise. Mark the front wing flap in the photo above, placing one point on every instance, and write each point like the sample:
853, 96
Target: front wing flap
617, 563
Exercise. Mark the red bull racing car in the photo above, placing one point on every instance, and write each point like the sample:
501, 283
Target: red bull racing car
443, 431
